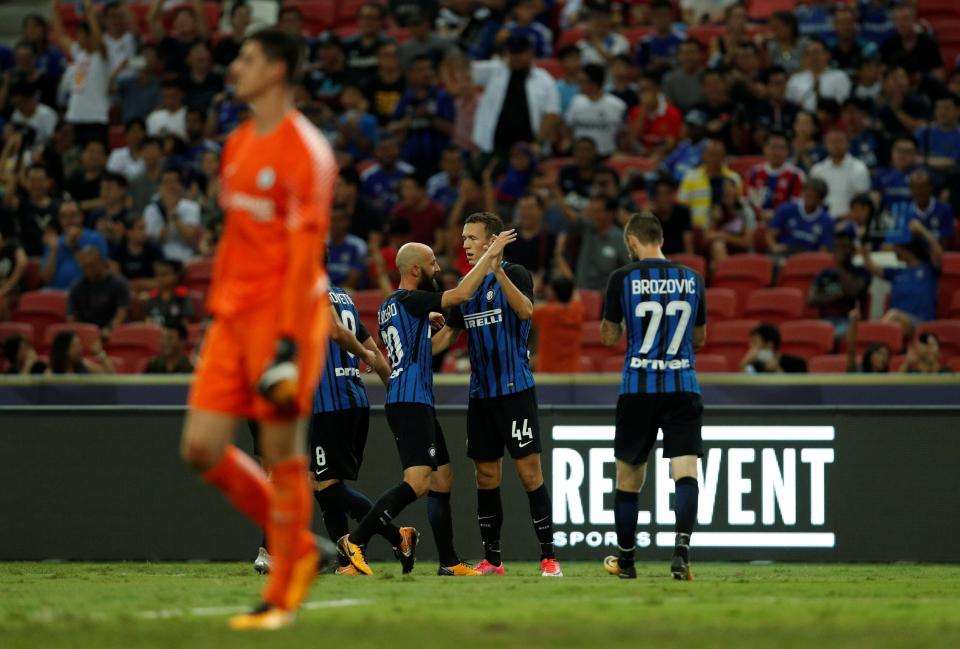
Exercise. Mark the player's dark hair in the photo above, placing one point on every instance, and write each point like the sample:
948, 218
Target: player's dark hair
60, 352
595, 73
278, 45
646, 228
562, 288
651, 76
491, 222
768, 333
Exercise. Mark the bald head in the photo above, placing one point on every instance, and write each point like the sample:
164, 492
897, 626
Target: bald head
418, 266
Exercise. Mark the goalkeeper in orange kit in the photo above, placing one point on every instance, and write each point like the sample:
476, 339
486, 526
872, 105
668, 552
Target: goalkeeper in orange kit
262, 355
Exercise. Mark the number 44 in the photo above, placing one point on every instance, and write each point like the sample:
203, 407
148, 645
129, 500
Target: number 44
519, 432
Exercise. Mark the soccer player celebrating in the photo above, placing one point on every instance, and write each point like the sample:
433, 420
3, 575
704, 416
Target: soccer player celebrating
662, 305
406, 320
263, 353
338, 431
503, 405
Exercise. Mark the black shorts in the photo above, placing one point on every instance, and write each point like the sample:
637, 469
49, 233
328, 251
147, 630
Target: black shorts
418, 435
639, 416
510, 420
335, 443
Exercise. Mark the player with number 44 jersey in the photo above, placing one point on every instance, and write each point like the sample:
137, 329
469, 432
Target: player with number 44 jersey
661, 305
406, 322
502, 411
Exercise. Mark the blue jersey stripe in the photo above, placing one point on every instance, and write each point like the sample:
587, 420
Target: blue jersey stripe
407, 339
341, 386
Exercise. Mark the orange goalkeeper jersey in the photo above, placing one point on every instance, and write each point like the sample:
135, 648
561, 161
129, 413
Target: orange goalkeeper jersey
276, 190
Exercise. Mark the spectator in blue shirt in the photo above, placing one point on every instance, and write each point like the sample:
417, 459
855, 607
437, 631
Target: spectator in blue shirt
381, 182
568, 85
804, 225
913, 291
875, 23
936, 216
864, 141
524, 23
346, 253
658, 50
939, 142
815, 20
688, 154
424, 117
357, 129
443, 186
59, 266
848, 49
891, 185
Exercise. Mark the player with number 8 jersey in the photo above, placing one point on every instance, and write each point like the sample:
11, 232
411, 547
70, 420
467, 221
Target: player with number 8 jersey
406, 319
661, 305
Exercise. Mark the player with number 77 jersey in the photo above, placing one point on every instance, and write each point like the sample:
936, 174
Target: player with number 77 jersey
406, 320
661, 305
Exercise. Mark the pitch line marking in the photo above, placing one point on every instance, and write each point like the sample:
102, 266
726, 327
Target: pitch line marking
206, 611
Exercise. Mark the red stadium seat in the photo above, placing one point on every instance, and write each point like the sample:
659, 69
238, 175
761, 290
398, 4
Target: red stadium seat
939, 10
399, 34
634, 34
134, 342
744, 163
744, 274
953, 311
626, 165
948, 331
588, 366
32, 279
897, 362
592, 345
761, 10
41, 309
705, 33
954, 364
828, 364
24, 329
711, 364
775, 305
89, 334
347, 11
368, 302
694, 262
612, 365
592, 303
806, 338
570, 36
118, 137
194, 333
552, 66
199, 301
197, 274
721, 304
730, 339
800, 269
873, 332
949, 282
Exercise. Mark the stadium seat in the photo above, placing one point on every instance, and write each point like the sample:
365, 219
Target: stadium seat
634, 34
194, 333
953, 311
939, 10
592, 303
873, 332
552, 66
347, 11
744, 163
41, 309
775, 305
948, 331
744, 274
89, 335
729, 339
133, 342
592, 345
570, 36
949, 282
612, 365
761, 10
705, 33
694, 262
588, 366
368, 302
199, 301
897, 362
828, 364
626, 165
954, 364
721, 304
117, 136
197, 274
24, 329
801, 268
711, 363
32, 279
806, 338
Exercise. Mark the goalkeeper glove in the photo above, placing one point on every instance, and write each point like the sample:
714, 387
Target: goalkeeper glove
279, 382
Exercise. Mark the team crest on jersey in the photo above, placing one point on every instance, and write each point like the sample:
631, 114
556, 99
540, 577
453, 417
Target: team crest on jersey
490, 295
265, 178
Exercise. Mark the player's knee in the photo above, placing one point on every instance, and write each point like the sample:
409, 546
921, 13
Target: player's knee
198, 455
488, 475
442, 482
530, 474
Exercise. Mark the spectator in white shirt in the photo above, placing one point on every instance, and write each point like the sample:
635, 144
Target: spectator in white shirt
519, 103
172, 220
600, 44
171, 117
596, 114
30, 112
127, 160
844, 175
120, 41
88, 107
817, 79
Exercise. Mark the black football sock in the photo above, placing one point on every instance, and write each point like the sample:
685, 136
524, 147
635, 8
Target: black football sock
688, 495
441, 520
389, 505
540, 512
357, 505
625, 508
490, 518
333, 517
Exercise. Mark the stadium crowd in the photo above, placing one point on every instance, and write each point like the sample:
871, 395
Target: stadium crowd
776, 146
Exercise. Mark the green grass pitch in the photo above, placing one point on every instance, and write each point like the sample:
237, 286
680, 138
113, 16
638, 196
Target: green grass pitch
134, 605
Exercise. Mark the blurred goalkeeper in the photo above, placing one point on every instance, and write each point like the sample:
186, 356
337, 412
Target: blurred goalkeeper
264, 351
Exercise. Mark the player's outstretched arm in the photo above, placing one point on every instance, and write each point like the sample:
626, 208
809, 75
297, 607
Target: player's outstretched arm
443, 339
521, 304
471, 282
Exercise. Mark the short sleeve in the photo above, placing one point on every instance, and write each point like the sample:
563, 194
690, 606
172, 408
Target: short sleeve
455, 318
421, 303
701, 318
362, 334
612, 308
522, 279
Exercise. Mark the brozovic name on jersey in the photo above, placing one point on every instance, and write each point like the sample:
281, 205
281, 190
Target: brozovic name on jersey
648, 286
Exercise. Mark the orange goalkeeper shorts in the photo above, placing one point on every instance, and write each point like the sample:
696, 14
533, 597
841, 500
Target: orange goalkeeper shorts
237, 350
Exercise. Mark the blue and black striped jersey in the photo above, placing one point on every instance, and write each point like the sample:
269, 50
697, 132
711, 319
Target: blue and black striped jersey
341, 386
405, 331
660, 303
496, 336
